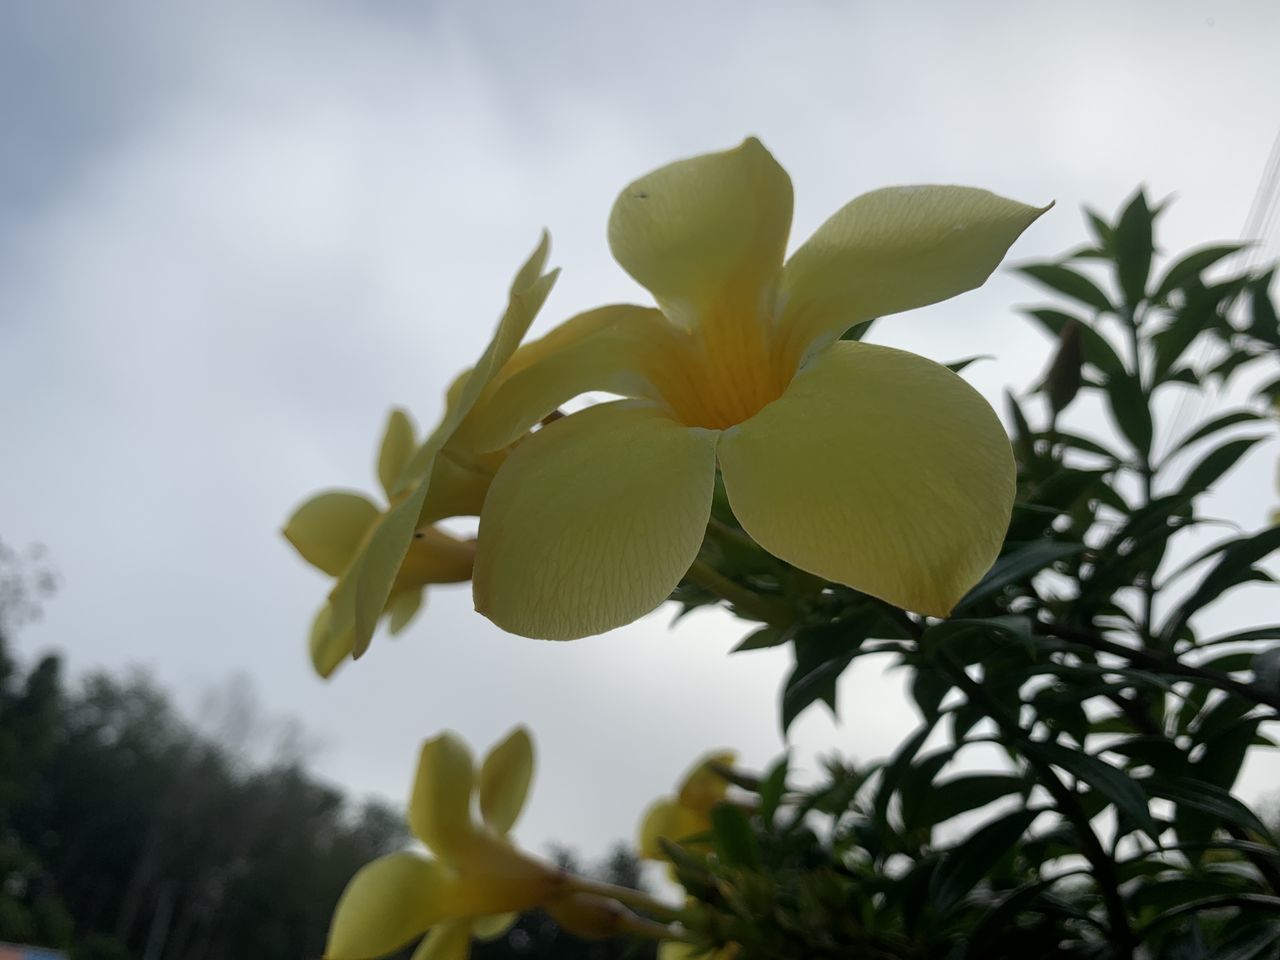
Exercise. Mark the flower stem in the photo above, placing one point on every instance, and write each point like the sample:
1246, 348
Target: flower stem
760, 608
632, 898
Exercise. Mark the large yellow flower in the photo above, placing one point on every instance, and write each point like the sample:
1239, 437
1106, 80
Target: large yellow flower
474, 883
862, 464
331, 529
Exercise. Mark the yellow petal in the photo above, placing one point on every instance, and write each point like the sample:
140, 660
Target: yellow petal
329, 646
403, 607
892, 250
703, 788
613, 349
527, 297
446, 941
440, 806
360, 602
593, 521
505, 776
706, 232
388, 903
397, 447
670, 821
877, 469
494, 926
436, 557
460, 480
328, 528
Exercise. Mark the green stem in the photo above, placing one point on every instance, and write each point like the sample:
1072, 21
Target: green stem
632, 898
761, 608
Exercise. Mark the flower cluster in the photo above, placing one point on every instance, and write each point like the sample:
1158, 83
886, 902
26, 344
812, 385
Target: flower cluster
862, 464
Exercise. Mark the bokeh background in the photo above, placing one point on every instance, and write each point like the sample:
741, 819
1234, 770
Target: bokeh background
233, 234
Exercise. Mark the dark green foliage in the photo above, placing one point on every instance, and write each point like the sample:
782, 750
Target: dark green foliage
120, 826
1112, 830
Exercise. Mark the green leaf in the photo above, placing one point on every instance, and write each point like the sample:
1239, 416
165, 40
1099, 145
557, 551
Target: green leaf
1133, 249
1070, 283
1221, 422
1110, 782
1205, 797
1171, 342
733, 838
772, 789
956, 366
1214, 464
763, 638
1191, 266
1263, 322
1016, 565
928, 687
1234, 567
893, 771
1130, 411
960, 794
963, 866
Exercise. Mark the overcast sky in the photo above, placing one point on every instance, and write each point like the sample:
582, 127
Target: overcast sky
233, 234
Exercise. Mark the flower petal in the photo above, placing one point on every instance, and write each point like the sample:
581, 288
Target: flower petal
440, 806
593, 521
892, 250
670, 821
706, 232
360, 604
388, 903
613, 349
404, 606
505, 776
877, 469
329, 646
528, 294
397, 447
328, 528
493, 926
703, 787
435, 557
446, 941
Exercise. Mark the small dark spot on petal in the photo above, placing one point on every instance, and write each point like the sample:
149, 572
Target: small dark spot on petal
640, 195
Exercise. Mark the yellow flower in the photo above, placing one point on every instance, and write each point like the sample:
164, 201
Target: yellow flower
476, 881
688, 813
862, 464
367, 584
332, 528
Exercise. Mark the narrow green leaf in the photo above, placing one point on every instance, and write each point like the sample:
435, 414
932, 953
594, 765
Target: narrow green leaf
772, 789
1191, 266
1110, 782
1207, 798
1133, 249
960, 794
1018, 564
1069, 283
733, 838
1214, 464
1130, 411
963, 866
1234, 567
1221, 422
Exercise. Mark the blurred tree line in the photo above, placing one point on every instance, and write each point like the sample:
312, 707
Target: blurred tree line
127, 831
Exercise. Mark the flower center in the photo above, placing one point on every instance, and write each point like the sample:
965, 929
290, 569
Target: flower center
724, 371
